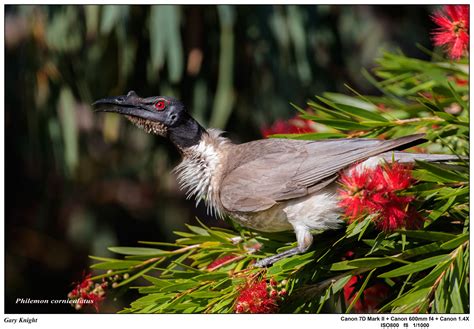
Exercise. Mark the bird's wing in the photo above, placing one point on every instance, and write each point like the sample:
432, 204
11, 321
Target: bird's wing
269, 171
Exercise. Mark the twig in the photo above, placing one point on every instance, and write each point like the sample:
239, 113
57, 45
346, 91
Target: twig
404, 121
177, 251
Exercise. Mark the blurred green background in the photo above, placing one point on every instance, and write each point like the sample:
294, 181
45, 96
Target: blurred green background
77, 182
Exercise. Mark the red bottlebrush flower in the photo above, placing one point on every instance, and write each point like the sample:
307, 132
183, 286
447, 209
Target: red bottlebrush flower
376, 191
221, 261
295, 125
370, 298
453, 29
461, 82
257, 297
87, 293
383, 108
348, 255
427, 94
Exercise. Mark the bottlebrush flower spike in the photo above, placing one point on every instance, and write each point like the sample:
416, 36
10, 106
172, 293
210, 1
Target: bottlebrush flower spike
370, 298
258, 297
376, 191
453, 29
295, 125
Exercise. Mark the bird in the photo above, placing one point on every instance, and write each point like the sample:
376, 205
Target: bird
268, 185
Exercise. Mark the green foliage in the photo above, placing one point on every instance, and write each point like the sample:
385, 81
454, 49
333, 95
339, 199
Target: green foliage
427, 269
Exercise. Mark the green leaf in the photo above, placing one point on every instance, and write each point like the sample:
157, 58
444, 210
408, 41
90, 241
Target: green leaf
369, 262
148, 299
339, 284
358, 227
295, 261
440, 210
455, 242
67, 115
456, 299
447, 192
165, 42
426, 176
352, 101
116, 265
274, 270
195, 239
181, 286
430, 279
415, 267
211, 276
424, 249
220, 236
137, 251
224, 97
428, 235
445, 175
223, 303
359, 293
343, 124
458, 98
111, 16
186, 305
157, 282
298, 108
205, 294
323, 299
363, 114
348, 105
328, 112
198, 230
413, 297
157, 243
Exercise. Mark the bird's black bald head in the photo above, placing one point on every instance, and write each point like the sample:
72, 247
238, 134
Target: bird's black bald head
161, 115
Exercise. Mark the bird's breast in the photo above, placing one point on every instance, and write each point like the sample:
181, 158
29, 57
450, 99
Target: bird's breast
200, 172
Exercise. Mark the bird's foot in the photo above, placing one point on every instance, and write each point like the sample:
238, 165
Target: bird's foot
275, 258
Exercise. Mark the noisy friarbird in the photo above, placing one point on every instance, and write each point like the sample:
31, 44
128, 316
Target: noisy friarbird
269, 185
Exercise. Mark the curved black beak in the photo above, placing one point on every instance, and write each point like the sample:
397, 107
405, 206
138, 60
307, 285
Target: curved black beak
130, 104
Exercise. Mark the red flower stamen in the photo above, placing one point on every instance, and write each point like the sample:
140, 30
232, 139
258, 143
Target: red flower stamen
376, 191
371, 297
453, 29
258, 297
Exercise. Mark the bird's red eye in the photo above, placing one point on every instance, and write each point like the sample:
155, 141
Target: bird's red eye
160, 105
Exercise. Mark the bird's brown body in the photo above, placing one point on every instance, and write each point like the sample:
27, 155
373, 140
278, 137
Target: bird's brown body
210, 170
268, 185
